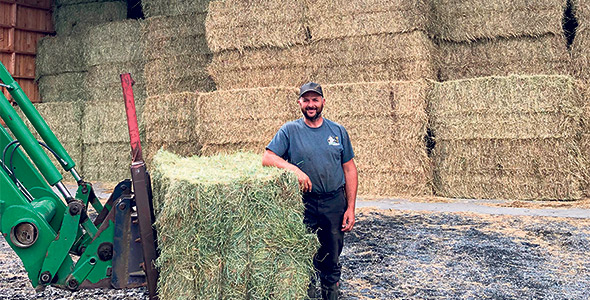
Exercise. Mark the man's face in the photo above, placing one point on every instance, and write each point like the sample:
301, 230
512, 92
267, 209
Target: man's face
311, 104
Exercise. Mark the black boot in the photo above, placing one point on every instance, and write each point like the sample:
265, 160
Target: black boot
330, 292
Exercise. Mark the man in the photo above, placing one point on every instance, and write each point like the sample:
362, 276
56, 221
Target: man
320, 153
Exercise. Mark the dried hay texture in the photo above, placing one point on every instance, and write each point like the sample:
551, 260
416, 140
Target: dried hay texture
237, 24
581, 10
387, 123
59, 3
64, 87
61, 54
175, 36
584, 88
106, 161
104, 81
328, 19
115, 42
247, 119
480, 19
545, 54
106, 122
154, 8
69, 19
510, 137
171, 122
64, 119
229, 228
185, 73
387, 57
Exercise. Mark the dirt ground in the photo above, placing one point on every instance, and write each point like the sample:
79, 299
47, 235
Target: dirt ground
432, 254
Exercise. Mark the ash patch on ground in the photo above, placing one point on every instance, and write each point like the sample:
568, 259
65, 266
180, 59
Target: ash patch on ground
421, 255
412, 255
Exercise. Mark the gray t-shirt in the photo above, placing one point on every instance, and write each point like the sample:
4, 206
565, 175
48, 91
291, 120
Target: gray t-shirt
318, 152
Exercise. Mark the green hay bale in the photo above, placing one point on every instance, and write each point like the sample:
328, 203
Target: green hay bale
115, 42
231, 148
104, 81
387, 128
64, 87
546, 54
153, 8
74, 18
510, 137
255, 24
481, 19
106, 122
61, 54
237, 122
329, 19
229, 228
106, 161
176, 35
185, 73
386, 57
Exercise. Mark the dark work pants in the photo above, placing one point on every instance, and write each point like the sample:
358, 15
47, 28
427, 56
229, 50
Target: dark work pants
324, 213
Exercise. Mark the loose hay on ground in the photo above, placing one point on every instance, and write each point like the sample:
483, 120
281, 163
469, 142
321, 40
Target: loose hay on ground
230, 227
481, 19
328, 19
387, 123
255, 24
238, 123
546, 54
510, 137
73, 18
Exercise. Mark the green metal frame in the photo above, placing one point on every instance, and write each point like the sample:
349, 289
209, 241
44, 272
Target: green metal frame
62, 227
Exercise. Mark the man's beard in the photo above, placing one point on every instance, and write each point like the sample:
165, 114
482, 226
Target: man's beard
318, 113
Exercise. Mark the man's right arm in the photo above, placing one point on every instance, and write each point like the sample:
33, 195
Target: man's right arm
270, 159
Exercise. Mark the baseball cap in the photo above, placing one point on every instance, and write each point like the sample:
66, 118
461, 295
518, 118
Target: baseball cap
311, 87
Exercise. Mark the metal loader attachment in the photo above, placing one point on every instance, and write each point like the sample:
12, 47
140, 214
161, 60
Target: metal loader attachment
51, 232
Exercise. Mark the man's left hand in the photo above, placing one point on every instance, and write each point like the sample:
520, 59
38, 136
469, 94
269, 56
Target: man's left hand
348, 220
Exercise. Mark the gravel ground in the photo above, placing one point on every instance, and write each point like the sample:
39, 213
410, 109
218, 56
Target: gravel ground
423, 255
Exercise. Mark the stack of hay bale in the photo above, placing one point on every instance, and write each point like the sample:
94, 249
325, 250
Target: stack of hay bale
230, 229
387, 123
177, 57
581, 70
507, 138
501, 37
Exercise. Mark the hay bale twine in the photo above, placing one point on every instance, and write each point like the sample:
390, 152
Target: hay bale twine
69, 19
229, 228
386, 122
236, 24
385, 57
546, 54
480, 19
154, 8
328, 19
510, 137
171, 122
238, 124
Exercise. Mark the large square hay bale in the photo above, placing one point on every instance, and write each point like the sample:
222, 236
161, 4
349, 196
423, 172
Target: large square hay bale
106, 122
64, 87
183, 73
247, 120
229, 228
458, 20
385, 57
169, 36
236, 24
546, 54
73, 18
584, 88
61, 54
104, 81
171, 122
386, 122
106, 161
115, 42
154, 8
510, 137
329, 19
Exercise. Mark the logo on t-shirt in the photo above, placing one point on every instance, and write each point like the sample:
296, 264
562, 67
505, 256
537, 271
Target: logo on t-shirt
333, 141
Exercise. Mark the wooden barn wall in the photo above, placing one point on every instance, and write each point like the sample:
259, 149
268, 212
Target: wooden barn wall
22, 24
